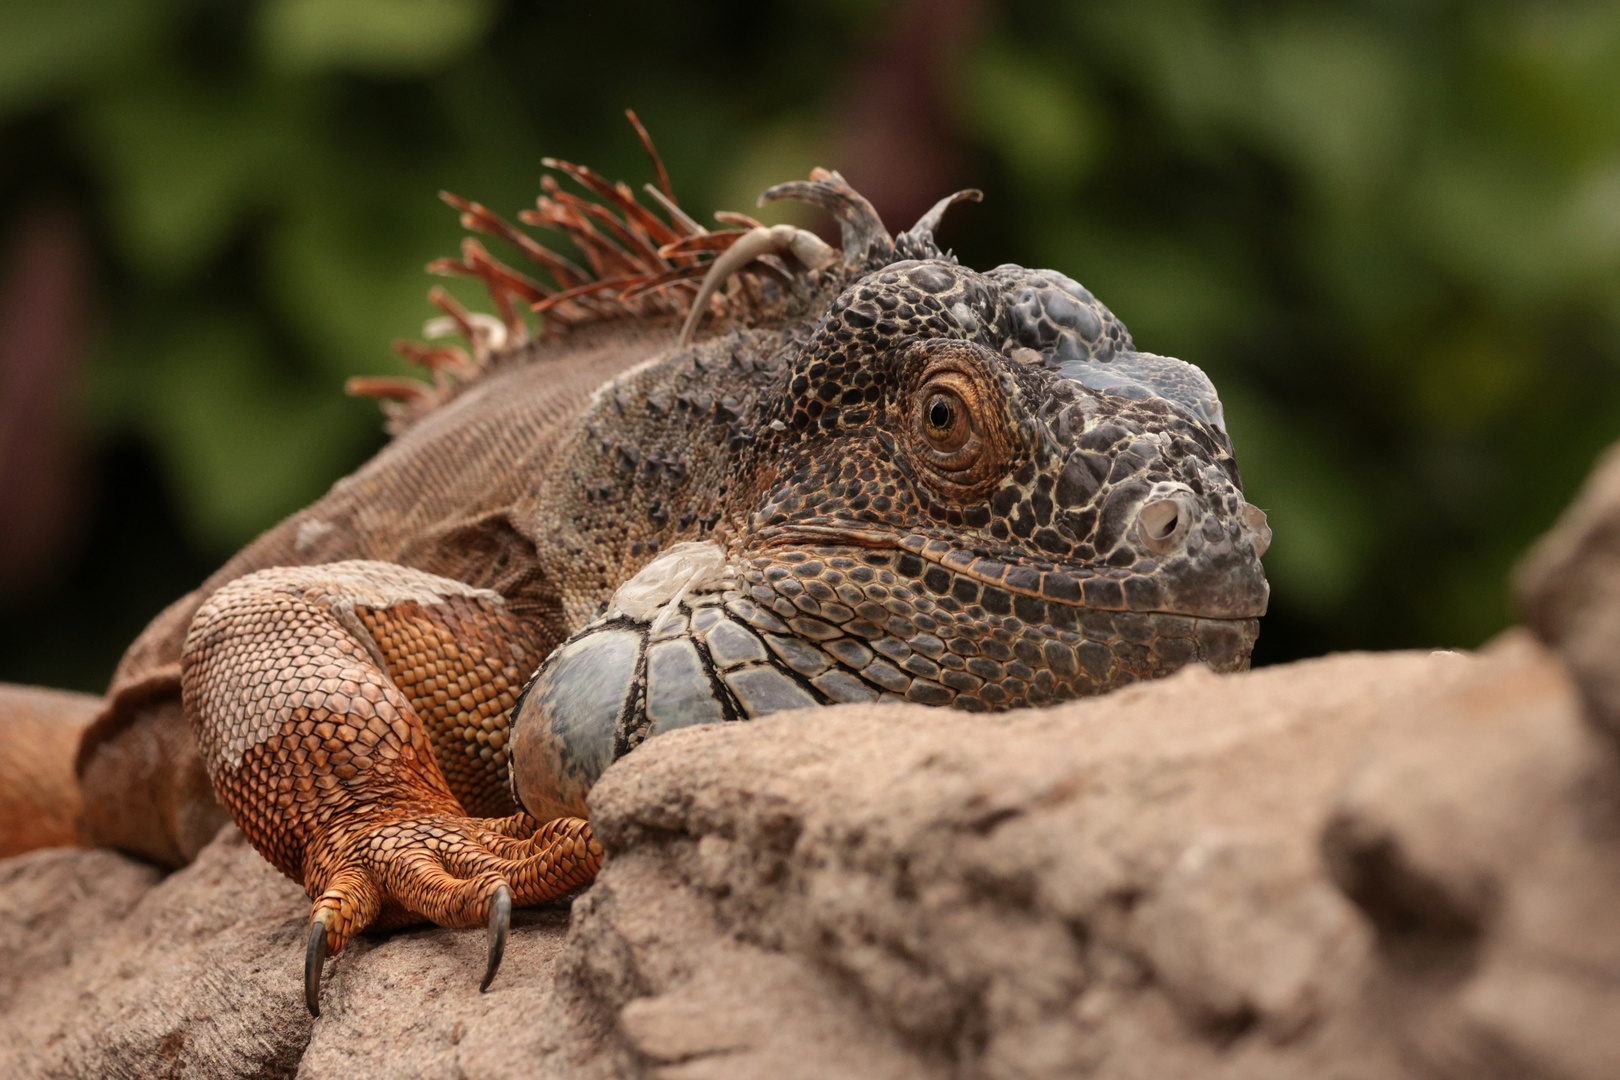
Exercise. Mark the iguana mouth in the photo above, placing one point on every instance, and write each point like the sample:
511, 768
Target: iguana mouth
1082, 588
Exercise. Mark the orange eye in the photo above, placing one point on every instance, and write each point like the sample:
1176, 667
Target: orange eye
946, 423
954, 426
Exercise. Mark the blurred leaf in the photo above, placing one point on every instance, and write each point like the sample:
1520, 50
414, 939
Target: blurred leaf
184, 166
1469, 377
1559, 71
245, 444
1331, 93
344, 266
1175, 298
787, 150
57, 45
1320, 522
378, 37
1034, 116
1506, 226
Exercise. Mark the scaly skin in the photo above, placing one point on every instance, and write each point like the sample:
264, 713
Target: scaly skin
325, 708
885, 476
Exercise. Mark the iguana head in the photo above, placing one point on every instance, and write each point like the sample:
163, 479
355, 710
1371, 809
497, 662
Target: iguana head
995, 441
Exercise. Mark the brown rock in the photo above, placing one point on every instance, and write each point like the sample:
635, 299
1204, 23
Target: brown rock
1132, 886
107, 971
1386, 866
1568, 589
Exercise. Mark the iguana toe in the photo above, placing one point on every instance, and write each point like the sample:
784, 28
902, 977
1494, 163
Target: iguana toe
454, 871
352, 715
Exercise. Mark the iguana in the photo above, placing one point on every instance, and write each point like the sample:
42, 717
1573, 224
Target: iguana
735, 472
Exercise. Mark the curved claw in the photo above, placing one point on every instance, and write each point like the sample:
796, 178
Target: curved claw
314, 958
500, 922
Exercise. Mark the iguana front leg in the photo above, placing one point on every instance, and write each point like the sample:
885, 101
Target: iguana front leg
352, 715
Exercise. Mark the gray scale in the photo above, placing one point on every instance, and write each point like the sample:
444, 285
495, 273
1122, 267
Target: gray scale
814, 629
674, 626
838, 613
1079, 337
850, 652
893, 648
756, 616
1146, 375
803, 658
678, 691
764, 690
707, 617
731, 646
844, 687
886, 675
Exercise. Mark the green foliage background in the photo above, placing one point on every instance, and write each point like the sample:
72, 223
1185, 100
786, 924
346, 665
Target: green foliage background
1390, 231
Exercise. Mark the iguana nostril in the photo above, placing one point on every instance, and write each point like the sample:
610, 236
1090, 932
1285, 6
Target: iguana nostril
1160, 519
1256, 520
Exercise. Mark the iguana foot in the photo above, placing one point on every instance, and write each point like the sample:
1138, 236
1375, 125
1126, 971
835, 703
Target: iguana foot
351, 716
454, 871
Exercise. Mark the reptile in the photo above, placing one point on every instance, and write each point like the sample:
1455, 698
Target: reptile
730, 472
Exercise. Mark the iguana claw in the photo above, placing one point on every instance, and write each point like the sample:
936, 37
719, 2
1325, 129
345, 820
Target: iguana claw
314, 958
500, 921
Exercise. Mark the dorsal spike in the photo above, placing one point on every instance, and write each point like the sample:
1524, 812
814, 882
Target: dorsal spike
920, 237
865, 240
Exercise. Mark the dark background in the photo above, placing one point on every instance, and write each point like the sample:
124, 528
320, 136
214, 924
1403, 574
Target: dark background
1390, 232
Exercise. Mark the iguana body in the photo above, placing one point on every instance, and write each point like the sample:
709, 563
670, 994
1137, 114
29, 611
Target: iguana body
874, 474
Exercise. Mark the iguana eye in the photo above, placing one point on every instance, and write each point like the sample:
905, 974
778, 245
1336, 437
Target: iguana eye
946, 423
954, 425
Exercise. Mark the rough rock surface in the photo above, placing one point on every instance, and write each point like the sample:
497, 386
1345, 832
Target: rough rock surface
1362, 866
1569, 590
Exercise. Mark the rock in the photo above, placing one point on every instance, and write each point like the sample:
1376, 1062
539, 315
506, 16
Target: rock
106, 970
1484, 848
1126, 886
1366, 866
1568, 589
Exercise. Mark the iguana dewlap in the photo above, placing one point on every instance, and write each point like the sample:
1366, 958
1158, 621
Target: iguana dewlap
739, 472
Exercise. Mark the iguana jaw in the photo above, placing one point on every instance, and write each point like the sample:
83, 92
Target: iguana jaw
1080, 587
